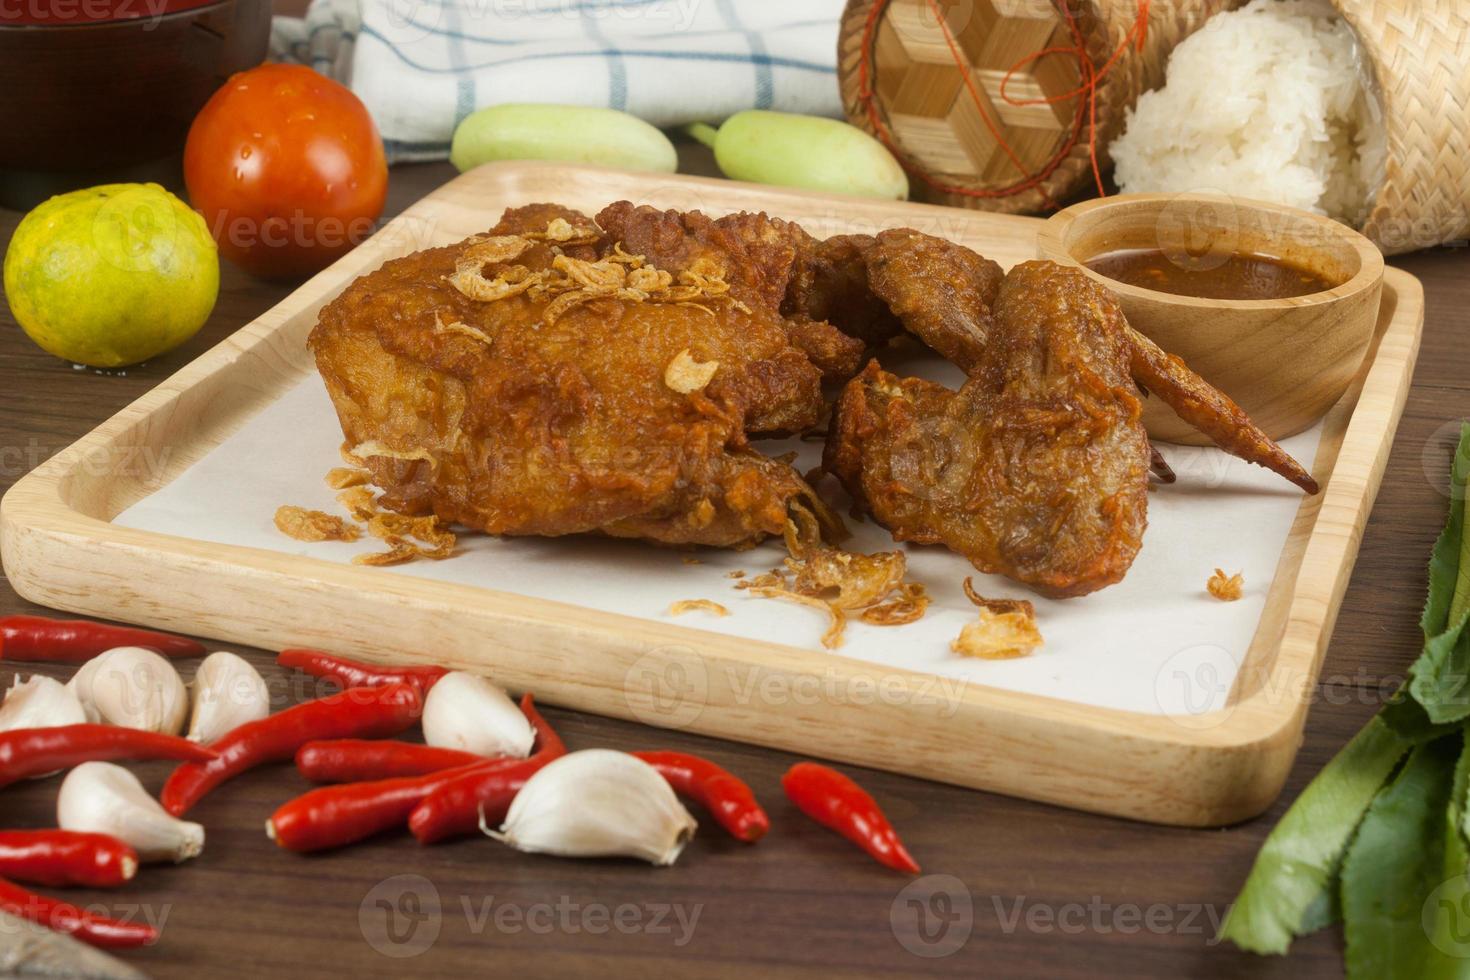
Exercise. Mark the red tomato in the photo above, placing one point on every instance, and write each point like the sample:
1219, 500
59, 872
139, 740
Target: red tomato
287, 168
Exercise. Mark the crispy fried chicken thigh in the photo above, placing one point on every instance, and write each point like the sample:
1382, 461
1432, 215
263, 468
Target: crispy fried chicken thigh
761, 255
541, 379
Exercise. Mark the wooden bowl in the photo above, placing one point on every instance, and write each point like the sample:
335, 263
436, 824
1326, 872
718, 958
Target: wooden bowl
1285, 361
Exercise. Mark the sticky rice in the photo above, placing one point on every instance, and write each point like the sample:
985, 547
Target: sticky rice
1267, 102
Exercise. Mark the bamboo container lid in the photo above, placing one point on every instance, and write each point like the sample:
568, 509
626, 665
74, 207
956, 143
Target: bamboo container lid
961, 92
1419, 55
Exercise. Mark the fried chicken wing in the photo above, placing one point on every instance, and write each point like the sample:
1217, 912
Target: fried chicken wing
544, 379
940, 291
943, 293
830, 282
1210, 410
1037, 468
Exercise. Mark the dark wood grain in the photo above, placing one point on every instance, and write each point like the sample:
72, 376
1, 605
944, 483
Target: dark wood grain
802, 901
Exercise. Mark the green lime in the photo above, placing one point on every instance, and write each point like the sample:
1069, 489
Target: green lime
111, 275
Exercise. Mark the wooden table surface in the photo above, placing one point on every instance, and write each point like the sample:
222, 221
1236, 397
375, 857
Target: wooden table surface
1036, 890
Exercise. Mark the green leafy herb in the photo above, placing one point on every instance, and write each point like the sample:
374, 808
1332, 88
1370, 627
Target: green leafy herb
1440, 678
1396, 861
1444, 561
1296, 871
1384, 847
1446, 911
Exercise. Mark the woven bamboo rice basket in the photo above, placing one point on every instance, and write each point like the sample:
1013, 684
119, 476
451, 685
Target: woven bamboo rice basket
925, 76
1419, 54
931, 89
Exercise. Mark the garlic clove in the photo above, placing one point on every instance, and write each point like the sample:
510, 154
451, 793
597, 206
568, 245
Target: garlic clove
598, 803
133, 687
102, 798
468, 712
40, 702
228, 692
80, 686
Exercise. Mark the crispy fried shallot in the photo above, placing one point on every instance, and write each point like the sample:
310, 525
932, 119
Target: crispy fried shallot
701, 605
1000, 606
372, 447
1006, 628
910, 606
839, 582
408, 538
344, 477
684, 374
313, 525
998, 636
570, 281
1226, 588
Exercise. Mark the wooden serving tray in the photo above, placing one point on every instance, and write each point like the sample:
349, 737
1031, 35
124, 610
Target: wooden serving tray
61, 548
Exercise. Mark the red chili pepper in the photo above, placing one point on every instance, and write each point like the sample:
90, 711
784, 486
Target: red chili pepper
371, 712
334, 816
64, 858
719, 791
73, 641
66, 917
455, 808
26, 752
834, 801
352, 673
353, 760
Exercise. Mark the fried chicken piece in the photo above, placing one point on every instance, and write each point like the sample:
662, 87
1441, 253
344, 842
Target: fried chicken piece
573, 232
1210, 410
940, 291
757, 254
1037, 468
944, 294
518, 383
830, 282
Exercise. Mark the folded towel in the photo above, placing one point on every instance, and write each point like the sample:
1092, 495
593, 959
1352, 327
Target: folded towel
423, 65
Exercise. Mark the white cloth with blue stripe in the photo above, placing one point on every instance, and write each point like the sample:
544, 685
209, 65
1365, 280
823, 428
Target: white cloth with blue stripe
423, 65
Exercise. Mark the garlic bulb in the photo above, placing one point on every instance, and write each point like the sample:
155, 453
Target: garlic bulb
598, 803
40, 702
133, 688
102, 798
467, 712
228, 692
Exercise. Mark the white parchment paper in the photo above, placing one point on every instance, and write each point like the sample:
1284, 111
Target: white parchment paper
1156, 643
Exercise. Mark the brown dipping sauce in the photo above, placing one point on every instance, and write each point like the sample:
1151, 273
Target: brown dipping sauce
1241, 276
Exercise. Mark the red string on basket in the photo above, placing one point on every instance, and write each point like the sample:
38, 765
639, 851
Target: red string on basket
1091, 77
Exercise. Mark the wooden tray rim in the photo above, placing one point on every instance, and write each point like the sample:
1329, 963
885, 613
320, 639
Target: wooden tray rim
1250, 743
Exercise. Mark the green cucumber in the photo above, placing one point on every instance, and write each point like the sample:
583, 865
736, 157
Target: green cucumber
574, 134
810, 152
